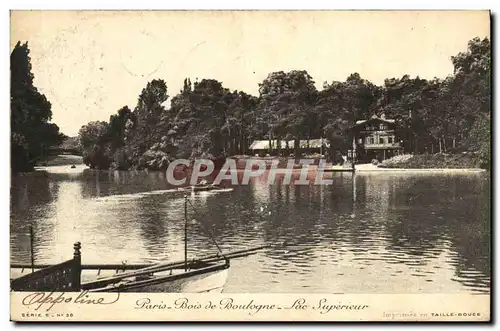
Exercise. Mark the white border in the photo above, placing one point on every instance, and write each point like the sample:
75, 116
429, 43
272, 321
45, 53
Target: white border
255, 4
185, 4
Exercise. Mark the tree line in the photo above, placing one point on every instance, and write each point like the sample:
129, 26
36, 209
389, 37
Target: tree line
30, 113
205, 119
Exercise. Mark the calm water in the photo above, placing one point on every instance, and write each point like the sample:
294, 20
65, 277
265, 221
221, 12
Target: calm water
371, 233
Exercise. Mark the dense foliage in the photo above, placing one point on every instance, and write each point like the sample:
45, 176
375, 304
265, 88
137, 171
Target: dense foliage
433, 161
31, 133
205, 119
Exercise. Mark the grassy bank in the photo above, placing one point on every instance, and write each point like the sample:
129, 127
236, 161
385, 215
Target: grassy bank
433, 161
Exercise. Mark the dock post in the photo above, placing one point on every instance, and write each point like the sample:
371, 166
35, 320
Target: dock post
32, 251
353, 154
185, 232
77, 268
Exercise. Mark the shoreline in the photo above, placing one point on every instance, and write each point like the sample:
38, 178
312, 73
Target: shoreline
69, 160
373, 168
358, 169
328, 167
423, 170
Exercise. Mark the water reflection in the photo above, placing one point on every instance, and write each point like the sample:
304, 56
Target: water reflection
367, 233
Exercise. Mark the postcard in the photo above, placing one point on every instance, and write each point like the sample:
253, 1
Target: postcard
250, 166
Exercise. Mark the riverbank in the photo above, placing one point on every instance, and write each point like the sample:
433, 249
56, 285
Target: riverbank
373, 168
434, 162
402, 163
60, 160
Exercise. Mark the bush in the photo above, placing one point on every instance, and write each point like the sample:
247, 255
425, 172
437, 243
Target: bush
433, 161
156, 159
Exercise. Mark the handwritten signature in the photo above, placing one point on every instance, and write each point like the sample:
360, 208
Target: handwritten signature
51, 299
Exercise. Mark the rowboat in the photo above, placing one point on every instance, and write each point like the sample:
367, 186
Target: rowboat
205, 274
207, 187
200, 276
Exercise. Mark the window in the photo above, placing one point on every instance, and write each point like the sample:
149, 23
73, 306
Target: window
383, 127
370, 140
381, 140
389, 140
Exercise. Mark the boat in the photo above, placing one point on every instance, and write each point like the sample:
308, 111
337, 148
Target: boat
203, 186
196, 277
205, 274
208, 187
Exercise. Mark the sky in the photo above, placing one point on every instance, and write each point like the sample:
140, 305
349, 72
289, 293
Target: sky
89, 64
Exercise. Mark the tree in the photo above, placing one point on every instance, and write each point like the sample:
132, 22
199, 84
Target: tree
480, 140
147, 114
237, 128
117, 128
92, 138
31, 132
340, 105
207, 119
471, 87
286, 106
198, 119
93, 133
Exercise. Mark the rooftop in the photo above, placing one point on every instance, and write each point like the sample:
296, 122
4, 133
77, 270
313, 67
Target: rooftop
313, 143
381, 118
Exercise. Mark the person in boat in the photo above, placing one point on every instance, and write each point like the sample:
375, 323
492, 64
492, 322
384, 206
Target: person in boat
204, 185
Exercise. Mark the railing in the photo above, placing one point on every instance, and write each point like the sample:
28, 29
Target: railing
377, 130
65, 276
385, 145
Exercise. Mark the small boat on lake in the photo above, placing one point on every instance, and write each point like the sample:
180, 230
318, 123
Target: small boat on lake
194, 277
208, 187
205, 274
203, 186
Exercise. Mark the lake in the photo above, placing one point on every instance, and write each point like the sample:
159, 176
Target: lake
365, 233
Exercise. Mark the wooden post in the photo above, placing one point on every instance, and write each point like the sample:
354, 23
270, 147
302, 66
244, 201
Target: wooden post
32, 251
185, 232
353, 152
77, 267
353, 187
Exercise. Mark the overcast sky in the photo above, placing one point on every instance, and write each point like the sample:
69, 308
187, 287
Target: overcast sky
90, 64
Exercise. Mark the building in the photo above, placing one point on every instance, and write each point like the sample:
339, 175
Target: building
311, 146
375, 138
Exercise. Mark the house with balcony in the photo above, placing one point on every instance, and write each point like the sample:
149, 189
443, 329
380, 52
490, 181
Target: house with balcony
375, 138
